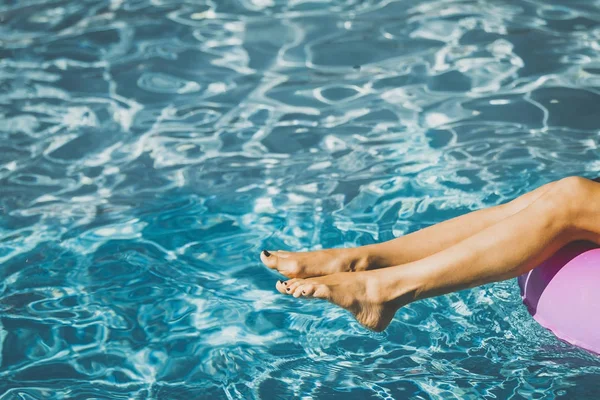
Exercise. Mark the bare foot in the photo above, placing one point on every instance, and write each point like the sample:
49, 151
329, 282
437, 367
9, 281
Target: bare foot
315, 263
364, 294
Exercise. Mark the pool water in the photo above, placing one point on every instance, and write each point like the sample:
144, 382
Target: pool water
150, 149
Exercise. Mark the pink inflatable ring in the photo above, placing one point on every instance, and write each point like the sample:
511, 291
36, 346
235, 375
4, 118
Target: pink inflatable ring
563, 295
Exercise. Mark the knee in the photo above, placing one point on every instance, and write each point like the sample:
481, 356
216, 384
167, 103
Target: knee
570, 194
580, 201
573, 186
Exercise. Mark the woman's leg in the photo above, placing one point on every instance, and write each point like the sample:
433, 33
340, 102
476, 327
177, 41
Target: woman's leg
401, 250
569, 211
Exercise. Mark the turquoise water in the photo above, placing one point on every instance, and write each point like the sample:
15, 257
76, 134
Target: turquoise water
150, 149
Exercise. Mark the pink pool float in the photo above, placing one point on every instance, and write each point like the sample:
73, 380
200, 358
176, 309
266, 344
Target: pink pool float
563, 294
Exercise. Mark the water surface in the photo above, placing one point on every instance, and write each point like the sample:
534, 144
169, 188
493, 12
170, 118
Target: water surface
149, 149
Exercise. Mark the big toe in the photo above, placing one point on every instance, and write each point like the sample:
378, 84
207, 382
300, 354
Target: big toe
269, 258
281, 261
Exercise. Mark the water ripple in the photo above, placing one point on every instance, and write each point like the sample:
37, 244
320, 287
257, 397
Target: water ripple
150, 149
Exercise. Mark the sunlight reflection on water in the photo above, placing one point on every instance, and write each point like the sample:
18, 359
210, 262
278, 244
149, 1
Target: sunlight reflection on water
150, 149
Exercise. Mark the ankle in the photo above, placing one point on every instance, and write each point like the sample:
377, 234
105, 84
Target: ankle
396, 285
358, 259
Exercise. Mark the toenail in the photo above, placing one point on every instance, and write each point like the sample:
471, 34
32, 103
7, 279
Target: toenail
280, 281
288, 289
285, 283
303, 292
267, 253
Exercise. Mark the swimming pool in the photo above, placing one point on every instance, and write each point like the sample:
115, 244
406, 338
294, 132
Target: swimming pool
150, 149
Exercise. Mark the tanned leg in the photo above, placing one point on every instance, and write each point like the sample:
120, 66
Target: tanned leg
568, 211
401, 250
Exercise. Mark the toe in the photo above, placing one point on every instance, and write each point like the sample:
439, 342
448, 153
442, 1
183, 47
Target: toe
280, 286
297, 292
307, 290
282, 262
291, 286
283, 286
283, 253
321, 292
303, 289
269, 258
